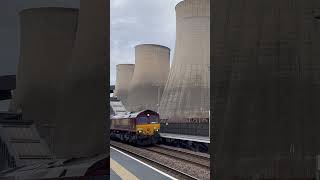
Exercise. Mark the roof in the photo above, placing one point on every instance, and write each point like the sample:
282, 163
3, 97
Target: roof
22, 142
8, 116
117, 107
5, 94
129, 114
7, 82
73, 167
32, 158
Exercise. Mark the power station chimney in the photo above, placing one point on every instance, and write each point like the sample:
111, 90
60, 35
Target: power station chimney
124, 76
47, 38
186, 94
152, 64
81, 122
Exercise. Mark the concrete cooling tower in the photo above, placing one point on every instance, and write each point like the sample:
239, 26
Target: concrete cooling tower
124, 76
47, 37
81, 121
266, 89
152, 64
186, 94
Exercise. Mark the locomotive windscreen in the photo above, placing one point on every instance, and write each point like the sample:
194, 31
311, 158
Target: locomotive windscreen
142, 120
148, 117
154, 119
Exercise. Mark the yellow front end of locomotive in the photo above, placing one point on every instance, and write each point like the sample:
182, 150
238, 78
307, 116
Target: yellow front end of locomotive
148, 129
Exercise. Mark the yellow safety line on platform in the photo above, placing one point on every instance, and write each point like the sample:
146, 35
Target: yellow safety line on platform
121, 171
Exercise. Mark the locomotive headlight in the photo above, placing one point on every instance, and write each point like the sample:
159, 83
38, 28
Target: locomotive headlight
139, 131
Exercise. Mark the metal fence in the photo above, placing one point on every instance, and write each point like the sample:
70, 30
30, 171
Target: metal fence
195, 129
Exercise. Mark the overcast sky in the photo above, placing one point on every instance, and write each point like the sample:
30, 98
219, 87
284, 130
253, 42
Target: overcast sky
139, 21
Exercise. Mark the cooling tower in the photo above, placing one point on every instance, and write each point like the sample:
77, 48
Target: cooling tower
124, 76
47, 37
81, 122
152, 64
186, 94
266, 88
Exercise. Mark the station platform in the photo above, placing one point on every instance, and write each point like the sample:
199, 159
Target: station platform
124, 166
202, 139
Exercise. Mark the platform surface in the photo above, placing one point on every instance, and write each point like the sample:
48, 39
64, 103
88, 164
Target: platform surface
123, 166
186, 137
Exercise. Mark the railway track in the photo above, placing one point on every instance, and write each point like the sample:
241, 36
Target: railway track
184, 152
195, 159
178, 174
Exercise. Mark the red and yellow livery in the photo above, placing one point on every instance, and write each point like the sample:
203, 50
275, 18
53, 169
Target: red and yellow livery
138, 128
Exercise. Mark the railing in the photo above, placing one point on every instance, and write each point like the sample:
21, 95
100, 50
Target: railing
196, 129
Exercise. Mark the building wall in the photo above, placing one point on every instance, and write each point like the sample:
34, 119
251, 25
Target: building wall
266, 84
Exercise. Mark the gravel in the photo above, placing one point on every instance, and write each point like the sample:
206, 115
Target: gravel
201, 161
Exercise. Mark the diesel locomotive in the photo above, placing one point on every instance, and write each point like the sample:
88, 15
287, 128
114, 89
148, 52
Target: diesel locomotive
141, 128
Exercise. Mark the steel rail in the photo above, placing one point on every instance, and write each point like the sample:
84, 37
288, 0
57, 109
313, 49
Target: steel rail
180, 158
180, 174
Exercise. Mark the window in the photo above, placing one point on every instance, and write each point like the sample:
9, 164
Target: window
154, 119
142, 120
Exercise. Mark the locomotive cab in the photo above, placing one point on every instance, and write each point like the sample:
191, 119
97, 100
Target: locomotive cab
147, 123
